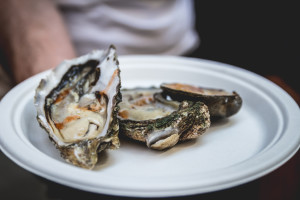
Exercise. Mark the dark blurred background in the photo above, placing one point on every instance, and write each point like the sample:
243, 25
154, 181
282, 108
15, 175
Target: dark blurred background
258, 36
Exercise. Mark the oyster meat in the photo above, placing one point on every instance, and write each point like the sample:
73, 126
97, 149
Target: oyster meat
77, 104
220, 103
145, 115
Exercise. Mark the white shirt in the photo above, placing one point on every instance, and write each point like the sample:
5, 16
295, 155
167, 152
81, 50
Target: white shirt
133, 26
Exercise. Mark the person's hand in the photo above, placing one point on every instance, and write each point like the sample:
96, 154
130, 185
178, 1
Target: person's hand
280, 82
34, 38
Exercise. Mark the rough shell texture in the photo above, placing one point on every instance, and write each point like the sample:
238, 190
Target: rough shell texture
82, 87
188, 121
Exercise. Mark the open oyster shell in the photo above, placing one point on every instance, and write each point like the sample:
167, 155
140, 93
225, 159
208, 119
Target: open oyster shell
147, 116
77, 106
220, 102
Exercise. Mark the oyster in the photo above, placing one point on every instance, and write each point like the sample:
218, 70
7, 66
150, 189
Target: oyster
220, 103
77, 106
145, 115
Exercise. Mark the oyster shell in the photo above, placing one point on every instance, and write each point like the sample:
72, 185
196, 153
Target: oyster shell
77, 106
145, 115
220, 103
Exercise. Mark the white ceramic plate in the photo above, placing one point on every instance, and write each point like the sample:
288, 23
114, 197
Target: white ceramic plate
255, 141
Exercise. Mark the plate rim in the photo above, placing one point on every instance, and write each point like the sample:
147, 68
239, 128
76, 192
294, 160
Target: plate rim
284, 156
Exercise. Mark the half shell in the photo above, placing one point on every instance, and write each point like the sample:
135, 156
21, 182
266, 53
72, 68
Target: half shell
147, 116
220, 102
77, 106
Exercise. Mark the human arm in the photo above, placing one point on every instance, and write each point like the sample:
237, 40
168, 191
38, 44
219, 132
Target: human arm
33, 37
